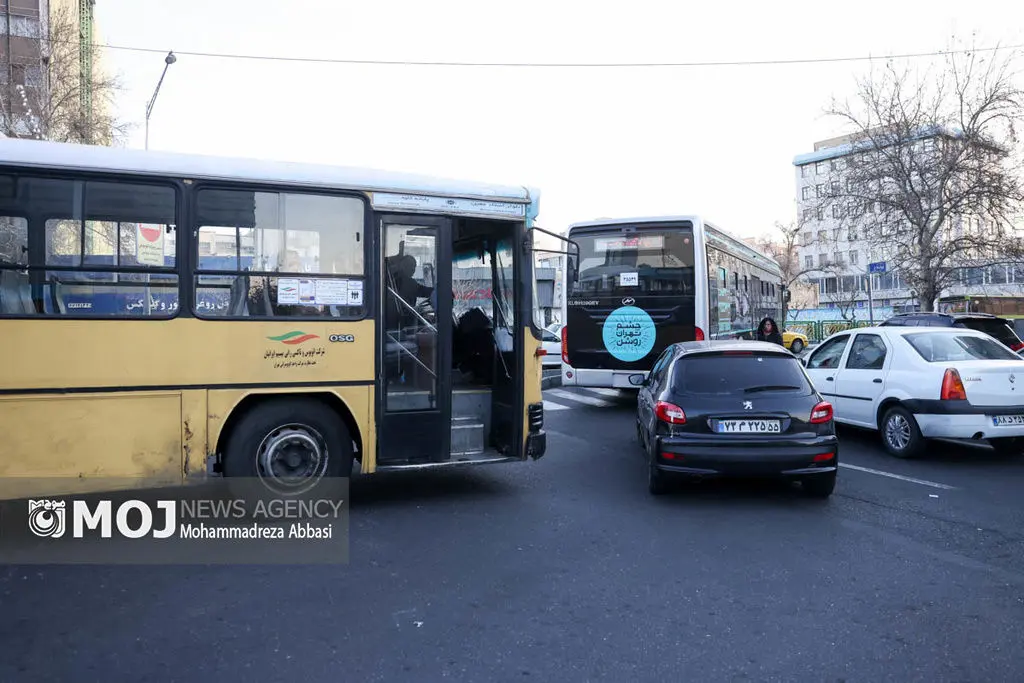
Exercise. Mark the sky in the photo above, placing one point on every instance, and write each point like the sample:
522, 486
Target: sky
717, 141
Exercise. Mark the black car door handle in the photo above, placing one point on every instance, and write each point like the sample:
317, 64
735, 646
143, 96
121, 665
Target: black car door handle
877, 380
828, 379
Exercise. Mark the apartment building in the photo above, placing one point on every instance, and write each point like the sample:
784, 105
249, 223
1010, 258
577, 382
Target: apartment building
838, 252
26, 54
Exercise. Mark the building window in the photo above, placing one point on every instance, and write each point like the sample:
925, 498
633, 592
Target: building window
808, 261
805, 170
852, 234
835, 188
822, 260
819, 191
819, 213
837, 211
808, 214
837, 258
837, 164
819, 167
805, 193
805, 237
853, 258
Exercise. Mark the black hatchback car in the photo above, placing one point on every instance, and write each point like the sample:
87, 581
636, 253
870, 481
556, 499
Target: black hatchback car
735, 408
1001, 329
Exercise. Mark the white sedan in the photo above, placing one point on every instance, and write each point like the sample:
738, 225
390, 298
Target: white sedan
552, 343
918, 383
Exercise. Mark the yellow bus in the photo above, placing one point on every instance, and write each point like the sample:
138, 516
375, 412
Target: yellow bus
167, 318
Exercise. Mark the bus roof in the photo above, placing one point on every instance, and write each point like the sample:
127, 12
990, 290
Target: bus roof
738, 243
633, 220
56, 155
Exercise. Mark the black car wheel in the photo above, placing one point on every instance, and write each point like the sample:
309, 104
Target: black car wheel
900, 433
820, 485
797, 346
1008, 446
657, 483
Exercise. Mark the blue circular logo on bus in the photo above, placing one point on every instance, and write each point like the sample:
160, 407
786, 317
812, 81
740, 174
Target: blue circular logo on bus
629, 333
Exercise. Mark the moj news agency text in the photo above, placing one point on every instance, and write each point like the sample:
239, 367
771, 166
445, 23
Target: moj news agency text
47, 518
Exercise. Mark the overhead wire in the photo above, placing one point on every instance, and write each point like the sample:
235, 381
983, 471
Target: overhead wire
555, 65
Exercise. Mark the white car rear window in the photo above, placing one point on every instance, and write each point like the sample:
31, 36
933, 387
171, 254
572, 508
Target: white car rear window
945, 348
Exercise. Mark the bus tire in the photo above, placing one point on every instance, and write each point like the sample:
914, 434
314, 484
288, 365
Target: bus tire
294, 447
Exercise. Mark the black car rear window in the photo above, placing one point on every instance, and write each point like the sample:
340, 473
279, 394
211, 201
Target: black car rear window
993, 328
733, 373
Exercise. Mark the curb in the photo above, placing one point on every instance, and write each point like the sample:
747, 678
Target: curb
551, 382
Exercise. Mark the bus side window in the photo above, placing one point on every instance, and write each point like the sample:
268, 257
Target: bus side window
108, 247
279, 254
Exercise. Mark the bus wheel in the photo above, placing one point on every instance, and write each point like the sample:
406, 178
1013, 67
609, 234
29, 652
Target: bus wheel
291, 446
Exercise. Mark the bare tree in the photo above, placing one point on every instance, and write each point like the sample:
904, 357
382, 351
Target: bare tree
932, 178
74, 100
783, 247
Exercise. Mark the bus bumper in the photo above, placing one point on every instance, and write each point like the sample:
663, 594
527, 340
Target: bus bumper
536, 444
611, 379
536, 438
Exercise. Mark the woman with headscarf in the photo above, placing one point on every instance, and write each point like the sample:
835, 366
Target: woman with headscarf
768, 331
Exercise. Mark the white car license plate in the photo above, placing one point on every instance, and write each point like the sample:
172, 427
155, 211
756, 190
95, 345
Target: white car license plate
1008, 420
749, 427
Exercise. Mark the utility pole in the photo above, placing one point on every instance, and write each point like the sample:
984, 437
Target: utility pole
168, 60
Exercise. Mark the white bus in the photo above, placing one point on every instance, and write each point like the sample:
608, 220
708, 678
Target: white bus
642, 284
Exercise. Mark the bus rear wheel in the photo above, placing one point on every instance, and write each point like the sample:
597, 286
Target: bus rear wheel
290, 446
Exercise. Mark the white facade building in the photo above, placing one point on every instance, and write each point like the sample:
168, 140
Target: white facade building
839, 247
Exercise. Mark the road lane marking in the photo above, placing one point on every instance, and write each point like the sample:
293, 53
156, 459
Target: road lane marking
550, 405
600, 390
580, 398
912, 480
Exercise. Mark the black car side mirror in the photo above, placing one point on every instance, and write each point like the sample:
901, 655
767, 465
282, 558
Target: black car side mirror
803, 362
638, 380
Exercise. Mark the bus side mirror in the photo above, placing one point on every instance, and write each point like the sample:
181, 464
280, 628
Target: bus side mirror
638, 380
786, 295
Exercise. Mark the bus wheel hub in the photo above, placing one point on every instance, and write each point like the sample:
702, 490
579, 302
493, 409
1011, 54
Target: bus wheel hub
292, 456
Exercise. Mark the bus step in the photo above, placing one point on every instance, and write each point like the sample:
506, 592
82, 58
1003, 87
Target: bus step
467, 436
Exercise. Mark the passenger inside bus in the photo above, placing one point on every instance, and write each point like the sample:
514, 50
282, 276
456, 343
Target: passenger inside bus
401, 278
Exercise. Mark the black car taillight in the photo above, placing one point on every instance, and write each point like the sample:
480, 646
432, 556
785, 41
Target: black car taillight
670, 413
821, 413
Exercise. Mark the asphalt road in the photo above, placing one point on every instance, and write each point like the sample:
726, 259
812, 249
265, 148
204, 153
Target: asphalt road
566, 569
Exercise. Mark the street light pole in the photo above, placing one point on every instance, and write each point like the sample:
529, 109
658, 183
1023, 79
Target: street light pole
168, 60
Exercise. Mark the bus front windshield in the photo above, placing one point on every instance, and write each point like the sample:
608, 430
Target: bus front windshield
618, 263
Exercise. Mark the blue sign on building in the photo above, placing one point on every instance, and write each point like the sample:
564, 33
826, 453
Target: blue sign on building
877, 267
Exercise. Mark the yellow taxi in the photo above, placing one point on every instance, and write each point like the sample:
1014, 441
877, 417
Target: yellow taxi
794, 341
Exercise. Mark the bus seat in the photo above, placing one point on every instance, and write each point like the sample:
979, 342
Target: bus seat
57, 295
266, 307
15, 293
239, 302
